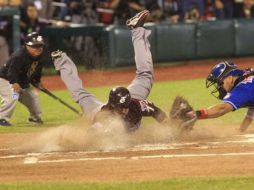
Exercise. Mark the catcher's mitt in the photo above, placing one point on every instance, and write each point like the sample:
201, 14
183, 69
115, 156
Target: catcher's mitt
178, 114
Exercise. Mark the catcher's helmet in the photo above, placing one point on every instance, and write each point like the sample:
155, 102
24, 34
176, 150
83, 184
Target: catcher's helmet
218, 74
34, 40
119, 97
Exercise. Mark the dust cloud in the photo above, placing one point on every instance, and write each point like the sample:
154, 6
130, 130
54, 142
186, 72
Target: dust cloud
113, 136
82, 137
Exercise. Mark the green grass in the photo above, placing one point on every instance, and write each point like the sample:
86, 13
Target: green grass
49, 71
201, 183
198, 95
162, 95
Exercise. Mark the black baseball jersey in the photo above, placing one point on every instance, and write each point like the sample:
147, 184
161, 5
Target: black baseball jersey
137, 109
22, 68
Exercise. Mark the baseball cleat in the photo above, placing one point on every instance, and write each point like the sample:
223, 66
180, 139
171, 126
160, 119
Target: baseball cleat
37, 121
138, 20
56, 54
4, 123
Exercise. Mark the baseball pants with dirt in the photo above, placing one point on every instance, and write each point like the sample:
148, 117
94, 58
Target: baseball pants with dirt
89, 104
28, 97
139, 88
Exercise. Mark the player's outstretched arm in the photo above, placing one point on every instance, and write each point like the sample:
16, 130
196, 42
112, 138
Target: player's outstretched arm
214, 111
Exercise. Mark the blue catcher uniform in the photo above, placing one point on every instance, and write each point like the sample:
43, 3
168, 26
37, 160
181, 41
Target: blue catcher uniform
242, 95
235, 87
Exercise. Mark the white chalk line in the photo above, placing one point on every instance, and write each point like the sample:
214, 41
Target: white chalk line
145, 147
44, 154
13, 156
35, 160
249, 139
6, 149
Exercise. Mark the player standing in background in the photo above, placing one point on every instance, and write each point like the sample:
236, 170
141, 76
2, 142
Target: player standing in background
128, 103
235, 87
24, 67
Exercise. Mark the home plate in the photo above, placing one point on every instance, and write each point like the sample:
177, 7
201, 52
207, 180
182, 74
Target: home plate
31, 160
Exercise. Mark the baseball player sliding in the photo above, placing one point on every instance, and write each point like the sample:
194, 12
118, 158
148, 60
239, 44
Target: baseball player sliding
128, 103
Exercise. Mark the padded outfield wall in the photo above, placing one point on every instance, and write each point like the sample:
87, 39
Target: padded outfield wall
169, 42
184, 41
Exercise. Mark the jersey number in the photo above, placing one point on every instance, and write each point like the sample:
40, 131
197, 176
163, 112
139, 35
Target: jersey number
145, 107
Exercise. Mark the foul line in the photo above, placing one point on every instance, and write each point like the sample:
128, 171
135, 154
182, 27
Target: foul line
5, 149
34, 160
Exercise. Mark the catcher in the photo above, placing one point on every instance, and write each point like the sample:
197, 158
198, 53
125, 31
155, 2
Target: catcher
235, 87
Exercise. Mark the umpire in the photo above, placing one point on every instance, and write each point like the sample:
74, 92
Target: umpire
22, 69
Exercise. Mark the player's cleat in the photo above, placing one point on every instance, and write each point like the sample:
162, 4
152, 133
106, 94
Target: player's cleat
37, 121
56, 54
138, 20
4, 123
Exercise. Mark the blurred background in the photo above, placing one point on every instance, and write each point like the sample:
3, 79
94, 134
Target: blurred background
94, 34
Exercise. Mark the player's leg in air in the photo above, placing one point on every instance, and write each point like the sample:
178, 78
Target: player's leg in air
143, 81
89, 104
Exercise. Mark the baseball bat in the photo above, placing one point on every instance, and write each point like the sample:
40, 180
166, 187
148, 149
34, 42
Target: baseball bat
46, 91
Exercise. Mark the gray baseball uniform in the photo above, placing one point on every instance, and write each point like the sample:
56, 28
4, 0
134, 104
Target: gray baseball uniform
139, 88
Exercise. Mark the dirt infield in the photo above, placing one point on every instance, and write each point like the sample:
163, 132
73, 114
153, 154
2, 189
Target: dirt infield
202, 153
218, 156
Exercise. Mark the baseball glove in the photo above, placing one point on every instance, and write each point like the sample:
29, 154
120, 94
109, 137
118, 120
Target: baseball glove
178, 114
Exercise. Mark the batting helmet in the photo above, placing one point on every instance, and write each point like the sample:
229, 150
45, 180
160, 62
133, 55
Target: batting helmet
119, 97
218, 74
34, 40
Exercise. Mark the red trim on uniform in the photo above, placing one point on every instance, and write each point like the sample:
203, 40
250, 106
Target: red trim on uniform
202, 114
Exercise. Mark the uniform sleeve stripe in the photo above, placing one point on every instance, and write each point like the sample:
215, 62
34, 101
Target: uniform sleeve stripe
234, 106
